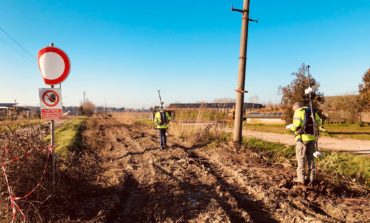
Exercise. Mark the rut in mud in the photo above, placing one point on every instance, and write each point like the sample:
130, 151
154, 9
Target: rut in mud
135, 181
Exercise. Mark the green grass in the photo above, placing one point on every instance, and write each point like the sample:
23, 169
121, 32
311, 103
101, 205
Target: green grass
355, 168
267, 128
348, 131
274, 150
336, 131
67, 135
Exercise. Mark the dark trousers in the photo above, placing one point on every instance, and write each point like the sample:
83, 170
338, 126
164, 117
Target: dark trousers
163, 137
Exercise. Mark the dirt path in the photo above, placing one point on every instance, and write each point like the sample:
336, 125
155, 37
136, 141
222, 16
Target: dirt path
198, 182
327, 143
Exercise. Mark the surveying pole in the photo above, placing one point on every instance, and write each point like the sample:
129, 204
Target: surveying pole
160, 99
238, 123
316, 132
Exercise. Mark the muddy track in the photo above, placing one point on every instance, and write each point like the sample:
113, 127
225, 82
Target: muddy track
138, 182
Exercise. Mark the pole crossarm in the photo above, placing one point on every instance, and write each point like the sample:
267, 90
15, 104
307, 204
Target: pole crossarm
239, 10
241, 91
244, 11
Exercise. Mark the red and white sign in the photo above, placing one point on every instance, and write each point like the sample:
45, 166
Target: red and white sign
54, 65
51, 103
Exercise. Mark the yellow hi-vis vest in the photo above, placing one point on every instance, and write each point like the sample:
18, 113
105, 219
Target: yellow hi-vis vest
298, 122
157, 120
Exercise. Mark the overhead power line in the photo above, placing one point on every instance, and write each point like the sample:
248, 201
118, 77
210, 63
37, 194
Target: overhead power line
16, 51
17, 43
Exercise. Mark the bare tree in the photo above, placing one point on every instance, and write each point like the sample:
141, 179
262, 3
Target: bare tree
88, 108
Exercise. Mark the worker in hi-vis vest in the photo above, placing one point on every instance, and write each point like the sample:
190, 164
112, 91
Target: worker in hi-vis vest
162, 119
303, 127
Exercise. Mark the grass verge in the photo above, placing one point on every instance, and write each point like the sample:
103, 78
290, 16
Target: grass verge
348, 131
67, 135
341, 166
267, 128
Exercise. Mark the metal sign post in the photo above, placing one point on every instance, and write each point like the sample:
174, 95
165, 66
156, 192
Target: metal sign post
54, 66
51, 109
52, 141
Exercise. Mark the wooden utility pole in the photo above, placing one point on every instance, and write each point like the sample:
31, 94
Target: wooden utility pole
239, 108
84, 96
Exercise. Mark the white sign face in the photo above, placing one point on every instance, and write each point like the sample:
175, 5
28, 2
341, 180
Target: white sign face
54, 65
51, 103
51, 65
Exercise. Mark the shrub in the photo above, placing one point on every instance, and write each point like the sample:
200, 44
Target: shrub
88, 108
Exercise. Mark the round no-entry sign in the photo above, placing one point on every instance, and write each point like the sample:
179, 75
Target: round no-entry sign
54, 65
50, 98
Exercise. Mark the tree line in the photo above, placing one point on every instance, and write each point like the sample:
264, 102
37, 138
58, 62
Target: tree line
350, 104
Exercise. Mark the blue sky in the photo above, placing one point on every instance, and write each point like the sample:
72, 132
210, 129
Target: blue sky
124, 51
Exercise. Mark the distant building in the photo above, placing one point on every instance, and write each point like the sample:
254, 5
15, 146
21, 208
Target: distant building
10, 110
5, 109
265, 118
7, 105
247, 106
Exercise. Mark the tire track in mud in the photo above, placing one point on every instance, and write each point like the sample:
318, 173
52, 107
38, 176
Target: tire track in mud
257, 210
195, 183
273, 188
260, 194
166, 185
167, 175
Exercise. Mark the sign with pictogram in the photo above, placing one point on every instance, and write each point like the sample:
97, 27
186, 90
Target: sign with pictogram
54, 65
51, 103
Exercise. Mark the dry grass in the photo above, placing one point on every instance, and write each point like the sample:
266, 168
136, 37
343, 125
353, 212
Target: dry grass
130, 118
200, 115
200, 134
12, 125
25, 173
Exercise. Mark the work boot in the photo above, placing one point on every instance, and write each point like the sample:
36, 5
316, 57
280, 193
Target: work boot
311, 182
296, 180
306, 180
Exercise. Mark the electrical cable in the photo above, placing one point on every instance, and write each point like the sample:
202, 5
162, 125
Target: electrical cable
15, 50
17, 43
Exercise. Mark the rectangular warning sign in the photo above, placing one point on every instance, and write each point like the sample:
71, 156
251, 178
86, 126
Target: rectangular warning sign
51, 103
51, 114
